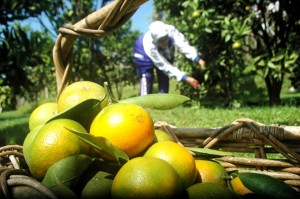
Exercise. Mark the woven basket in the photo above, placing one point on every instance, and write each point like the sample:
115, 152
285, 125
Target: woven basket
266, 149
15, 179
243, 136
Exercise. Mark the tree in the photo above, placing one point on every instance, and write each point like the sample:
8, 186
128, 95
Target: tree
107, 58
26, 55
217, 28
119, 65
20, 51
276, 26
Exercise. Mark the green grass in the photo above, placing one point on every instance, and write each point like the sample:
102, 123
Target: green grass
196, 117
14, 124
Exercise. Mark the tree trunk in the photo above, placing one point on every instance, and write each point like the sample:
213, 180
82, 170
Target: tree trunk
274, 86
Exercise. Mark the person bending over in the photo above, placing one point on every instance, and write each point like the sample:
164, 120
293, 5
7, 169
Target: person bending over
155, 50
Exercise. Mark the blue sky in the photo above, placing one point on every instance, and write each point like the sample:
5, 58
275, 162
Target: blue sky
143, 16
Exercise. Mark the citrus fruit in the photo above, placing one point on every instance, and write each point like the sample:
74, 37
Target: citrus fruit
54, 142
161, 136
196, 13
236, 45
99, 186
263, 186
178, 157
28, 141
127, 126
41, 114
211, 171
79, 91
209, 190
146, 177
238, 187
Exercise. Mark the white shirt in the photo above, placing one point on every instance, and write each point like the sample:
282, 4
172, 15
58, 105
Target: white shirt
159, 58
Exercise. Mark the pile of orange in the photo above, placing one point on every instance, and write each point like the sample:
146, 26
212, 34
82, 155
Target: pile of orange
157, 166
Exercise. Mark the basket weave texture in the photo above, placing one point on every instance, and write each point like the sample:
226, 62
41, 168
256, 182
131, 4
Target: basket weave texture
255, 147
97, 24
243, 136
15, 179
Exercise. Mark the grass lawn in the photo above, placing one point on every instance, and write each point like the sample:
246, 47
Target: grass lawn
14, 124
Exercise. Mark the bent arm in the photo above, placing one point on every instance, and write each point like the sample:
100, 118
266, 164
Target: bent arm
184, 47
164, 65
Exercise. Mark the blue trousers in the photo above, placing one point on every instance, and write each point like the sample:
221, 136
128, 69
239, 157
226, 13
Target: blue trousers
146, 82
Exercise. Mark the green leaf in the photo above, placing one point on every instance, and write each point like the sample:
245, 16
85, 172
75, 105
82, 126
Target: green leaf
102, 144
209, 152
271, 65
267, 186
64, 174
84, 112
208, 30
278, 57
227, 38
157, 101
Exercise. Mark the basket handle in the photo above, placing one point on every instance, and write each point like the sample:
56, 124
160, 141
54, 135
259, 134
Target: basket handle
99, 23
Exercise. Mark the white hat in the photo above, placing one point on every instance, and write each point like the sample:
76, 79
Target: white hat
158, 30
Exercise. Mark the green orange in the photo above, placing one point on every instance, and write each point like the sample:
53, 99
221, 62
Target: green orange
146, 177
54, 142
79, 91
207, 190
161, 136
41, 114
211, 171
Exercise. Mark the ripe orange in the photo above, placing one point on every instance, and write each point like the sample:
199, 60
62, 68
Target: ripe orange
162, 136
147, 177
238, 187
211, 171
127, 126
41, 114
177, 156
79, 91
54, 142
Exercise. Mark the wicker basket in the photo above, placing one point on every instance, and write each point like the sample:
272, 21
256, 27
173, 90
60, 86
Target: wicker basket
251, 144
243, 136
15, 180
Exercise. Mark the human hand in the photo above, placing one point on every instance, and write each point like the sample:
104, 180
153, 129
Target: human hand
193, 82
201, 63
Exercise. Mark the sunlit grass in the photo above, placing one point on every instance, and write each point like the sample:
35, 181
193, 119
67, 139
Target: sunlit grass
193, 117
14, 124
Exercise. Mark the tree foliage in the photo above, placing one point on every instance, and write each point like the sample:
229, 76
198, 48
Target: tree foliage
240, 40
27, 67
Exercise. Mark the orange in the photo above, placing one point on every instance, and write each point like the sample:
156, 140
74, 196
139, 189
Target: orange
54, 142
162, 136
127, 126
99, 186
146, 177
211, 171
208, 190
238, 187
178, 157
79, 91
41, 114
28, 141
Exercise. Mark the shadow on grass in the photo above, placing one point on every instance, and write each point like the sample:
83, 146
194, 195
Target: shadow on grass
14, 134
